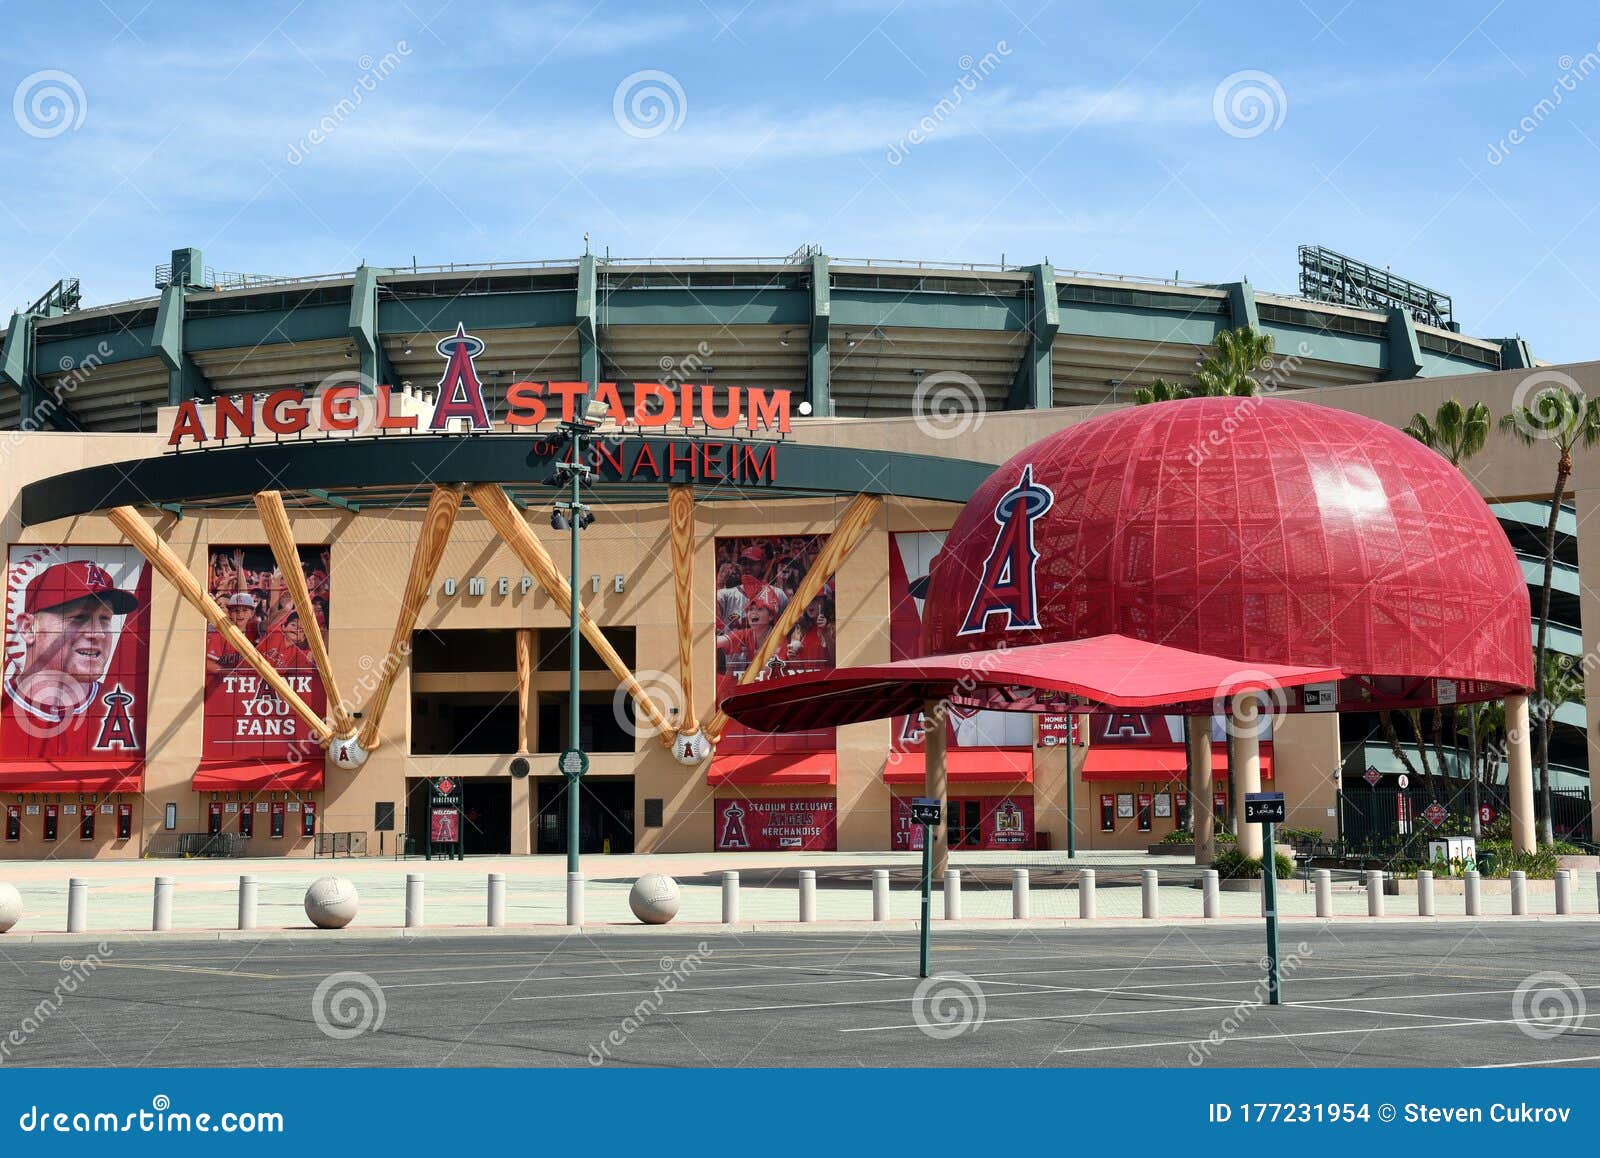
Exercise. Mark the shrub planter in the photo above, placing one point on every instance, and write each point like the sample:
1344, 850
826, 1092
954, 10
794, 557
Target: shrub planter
1579, 863
1455, 886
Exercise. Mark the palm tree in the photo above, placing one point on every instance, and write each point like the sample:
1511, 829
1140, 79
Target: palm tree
1560, 413
1159, 390
1231, 371
1457, 432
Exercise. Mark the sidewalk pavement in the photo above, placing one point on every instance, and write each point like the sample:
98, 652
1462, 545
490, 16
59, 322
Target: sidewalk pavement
205, 892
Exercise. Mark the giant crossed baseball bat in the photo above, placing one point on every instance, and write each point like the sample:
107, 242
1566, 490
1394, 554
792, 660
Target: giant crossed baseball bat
280, 536
509, 524
847, 535
143, 536
443, 506
680, 520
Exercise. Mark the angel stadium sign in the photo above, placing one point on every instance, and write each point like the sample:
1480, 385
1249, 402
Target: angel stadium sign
344, 406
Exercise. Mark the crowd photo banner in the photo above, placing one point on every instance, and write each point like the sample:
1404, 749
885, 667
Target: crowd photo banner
77, 654
244, 717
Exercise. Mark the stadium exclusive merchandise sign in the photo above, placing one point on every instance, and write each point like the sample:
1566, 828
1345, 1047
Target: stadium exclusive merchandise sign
770, 825
444, 819
1267, 809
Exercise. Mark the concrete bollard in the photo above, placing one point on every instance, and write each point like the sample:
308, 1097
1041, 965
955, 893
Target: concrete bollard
880, 894
1470, 886
1563, 892
808, 895
1149, 894
497, 900
574, 899
1086, 906
1374, 892
161, 910
1519, 893
1019, 894
952, 894
730, 898
247, 902
1210, 894
415, 917
77, 905
1324, 893
1424, 893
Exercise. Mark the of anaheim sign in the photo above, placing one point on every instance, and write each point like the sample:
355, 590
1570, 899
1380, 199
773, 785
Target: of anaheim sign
343, 406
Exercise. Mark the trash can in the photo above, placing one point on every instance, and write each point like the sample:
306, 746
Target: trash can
1485, 863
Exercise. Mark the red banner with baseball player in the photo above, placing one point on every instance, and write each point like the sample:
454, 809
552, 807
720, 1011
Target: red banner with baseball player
768, 825
756, 578
910, 561
244, 718
76, 669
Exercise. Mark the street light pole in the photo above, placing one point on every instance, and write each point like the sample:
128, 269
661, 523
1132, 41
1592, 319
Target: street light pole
573, 761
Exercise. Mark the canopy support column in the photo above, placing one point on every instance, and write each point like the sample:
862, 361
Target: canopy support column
1519, 774
1245, 717
1197, 731
935, 784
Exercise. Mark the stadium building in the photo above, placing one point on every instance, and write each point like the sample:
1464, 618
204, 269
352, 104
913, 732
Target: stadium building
357, 475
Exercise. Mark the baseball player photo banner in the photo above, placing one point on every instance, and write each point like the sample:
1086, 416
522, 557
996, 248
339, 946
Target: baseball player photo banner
757, 576
77, 655
244, 718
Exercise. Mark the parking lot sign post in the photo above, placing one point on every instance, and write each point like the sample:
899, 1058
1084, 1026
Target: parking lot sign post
1267, 809
925, 811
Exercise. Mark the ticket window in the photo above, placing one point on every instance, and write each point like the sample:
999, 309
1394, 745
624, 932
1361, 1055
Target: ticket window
1184, 819
247, 819
86, 823
13, 822
1108, 813
124, 821
214, 825
1144, 812
277, 819
1219, 807
52, 819
308, 819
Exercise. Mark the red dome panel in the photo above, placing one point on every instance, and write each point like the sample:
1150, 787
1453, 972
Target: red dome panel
1262, 530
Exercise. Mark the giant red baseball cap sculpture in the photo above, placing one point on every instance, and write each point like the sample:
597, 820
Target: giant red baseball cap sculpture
1186, 552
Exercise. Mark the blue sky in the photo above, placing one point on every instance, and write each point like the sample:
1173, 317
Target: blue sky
1088, 134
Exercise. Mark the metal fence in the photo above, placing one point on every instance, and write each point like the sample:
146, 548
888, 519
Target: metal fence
1389, 822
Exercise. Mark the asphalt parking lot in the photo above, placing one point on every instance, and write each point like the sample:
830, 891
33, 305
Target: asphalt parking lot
1367, 995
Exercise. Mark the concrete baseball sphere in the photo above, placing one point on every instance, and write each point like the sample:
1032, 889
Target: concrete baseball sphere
10, 906
654, 898
331, 902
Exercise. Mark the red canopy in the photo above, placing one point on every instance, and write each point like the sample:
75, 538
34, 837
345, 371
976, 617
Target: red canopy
258, 776
966, 766
781, 768
1085, 675
1131, 762
72, 775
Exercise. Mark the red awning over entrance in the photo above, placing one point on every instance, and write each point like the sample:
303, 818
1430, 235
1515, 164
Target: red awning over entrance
72, 776
1126, 762
966, 766
1085, 675
258, 776
782, 769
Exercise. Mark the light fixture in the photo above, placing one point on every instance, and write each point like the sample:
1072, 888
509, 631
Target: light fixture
918, 373
407, 350
708, 370
558, 521
595, 410
585, 517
